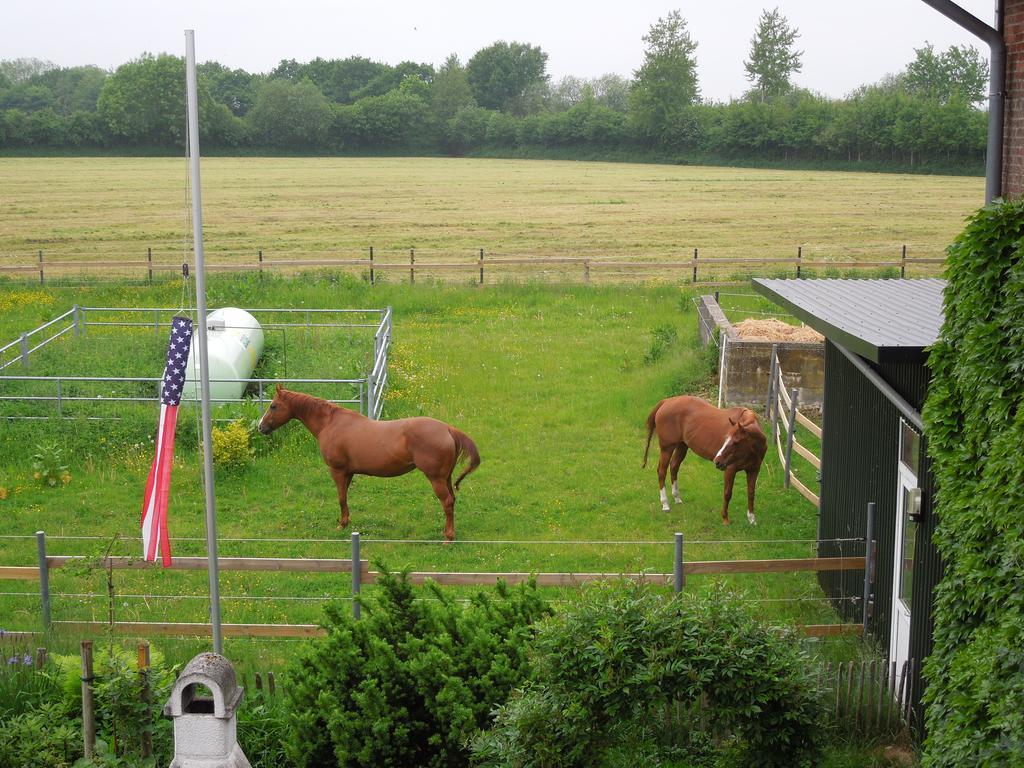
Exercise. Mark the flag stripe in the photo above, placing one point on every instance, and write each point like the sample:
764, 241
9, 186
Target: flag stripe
158, 484
150, 516
164, 480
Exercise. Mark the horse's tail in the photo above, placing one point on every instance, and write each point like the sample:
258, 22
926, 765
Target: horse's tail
650, 430
464, 446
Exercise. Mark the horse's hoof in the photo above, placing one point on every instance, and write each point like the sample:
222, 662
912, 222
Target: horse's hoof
665, 508
678, 500
725, 521
751, 519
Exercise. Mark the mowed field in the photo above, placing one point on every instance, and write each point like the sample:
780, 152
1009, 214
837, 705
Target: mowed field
109, 209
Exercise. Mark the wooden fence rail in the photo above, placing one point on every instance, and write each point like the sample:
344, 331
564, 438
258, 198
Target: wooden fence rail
783, 409
363, 575
477, 263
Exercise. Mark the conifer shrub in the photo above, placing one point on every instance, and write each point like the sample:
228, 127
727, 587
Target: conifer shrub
413, 680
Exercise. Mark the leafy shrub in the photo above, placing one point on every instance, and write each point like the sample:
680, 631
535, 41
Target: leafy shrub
232, 445
44, 737
410, 682
48, 465
626, 662
974, 419
122, 716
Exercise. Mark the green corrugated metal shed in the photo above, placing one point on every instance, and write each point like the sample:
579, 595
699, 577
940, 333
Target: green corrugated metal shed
887, 325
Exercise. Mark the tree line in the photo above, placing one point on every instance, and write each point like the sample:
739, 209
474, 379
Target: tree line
502, 100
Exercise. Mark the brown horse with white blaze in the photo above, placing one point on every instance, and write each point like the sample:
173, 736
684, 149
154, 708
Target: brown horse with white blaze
732, 438
352, 444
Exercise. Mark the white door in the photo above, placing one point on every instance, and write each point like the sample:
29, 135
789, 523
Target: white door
908, 506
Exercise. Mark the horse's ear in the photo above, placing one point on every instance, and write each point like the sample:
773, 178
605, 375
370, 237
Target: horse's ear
731, 421
278, 390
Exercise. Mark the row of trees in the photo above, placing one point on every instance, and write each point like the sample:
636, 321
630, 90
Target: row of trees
502, 99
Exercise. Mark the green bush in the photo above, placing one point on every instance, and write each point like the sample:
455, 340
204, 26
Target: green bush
232, 445
122, 716
974, 420
626, 668
412, 681
44, 737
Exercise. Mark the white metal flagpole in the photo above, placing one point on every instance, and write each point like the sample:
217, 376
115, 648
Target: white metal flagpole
200, 327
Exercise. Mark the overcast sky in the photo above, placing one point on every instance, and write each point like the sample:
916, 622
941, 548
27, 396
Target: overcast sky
845, 44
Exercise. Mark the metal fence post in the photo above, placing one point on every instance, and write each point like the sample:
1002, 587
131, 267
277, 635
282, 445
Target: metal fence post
869, 555
481, 266
24, 350
371, 266
60, 399
369, 394
75, 319
793, 394
44, 579
680, 577
357, 575
771, 380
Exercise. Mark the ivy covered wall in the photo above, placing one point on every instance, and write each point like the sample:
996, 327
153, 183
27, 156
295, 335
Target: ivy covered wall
974, 418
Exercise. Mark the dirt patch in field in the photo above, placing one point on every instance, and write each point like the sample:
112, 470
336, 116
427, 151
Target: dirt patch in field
775, 330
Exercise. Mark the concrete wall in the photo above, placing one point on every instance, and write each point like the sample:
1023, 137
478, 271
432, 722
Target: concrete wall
745, 364
1013, 139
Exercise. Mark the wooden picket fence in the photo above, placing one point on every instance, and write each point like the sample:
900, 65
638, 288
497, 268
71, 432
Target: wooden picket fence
869, 698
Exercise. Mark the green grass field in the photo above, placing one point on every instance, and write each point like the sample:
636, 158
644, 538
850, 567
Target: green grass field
107, 209
553, 382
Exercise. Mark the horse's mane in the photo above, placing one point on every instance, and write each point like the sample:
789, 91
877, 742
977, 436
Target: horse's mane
304, 404
748, 419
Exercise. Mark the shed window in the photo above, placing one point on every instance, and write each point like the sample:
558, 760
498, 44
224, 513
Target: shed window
910, 447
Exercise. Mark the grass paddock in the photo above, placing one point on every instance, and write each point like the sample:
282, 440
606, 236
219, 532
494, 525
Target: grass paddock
554, 383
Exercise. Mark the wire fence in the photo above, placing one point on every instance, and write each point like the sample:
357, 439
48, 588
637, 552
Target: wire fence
361, 575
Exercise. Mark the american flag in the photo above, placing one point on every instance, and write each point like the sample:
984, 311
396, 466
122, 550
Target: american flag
154, 506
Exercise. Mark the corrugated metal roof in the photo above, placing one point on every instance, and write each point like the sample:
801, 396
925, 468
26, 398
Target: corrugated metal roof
881, 320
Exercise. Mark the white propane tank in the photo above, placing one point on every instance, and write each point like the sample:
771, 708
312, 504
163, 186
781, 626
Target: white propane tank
234, 342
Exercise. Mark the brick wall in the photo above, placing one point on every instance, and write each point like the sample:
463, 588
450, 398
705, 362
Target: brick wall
1013, 140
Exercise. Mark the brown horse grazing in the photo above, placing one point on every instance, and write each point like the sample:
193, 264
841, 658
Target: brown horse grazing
732, 438
352, 444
